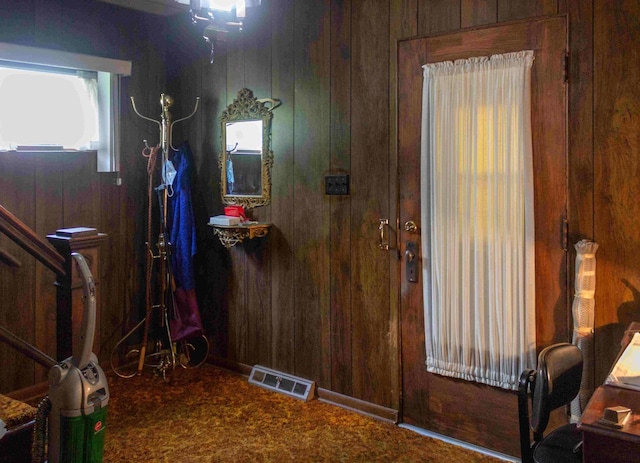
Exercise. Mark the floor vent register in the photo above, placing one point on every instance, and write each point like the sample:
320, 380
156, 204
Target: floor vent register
282, 382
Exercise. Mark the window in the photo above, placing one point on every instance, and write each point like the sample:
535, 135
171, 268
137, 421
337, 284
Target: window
60, 99
48, 107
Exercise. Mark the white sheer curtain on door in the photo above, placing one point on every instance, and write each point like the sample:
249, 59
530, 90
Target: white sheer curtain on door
477, 216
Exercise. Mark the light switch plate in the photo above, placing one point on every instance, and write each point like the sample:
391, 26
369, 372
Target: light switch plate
336, 184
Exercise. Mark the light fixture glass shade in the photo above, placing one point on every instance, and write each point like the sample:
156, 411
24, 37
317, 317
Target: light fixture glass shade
223, 5
219, 16
220, 5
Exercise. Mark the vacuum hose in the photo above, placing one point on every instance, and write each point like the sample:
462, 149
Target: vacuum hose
40, 431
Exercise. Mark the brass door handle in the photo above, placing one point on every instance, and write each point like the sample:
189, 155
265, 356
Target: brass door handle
384, 245
410, 255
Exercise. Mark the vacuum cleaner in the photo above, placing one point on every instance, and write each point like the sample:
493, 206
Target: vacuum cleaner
76, 407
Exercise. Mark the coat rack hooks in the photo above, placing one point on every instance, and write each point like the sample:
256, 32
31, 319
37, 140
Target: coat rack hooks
165, 125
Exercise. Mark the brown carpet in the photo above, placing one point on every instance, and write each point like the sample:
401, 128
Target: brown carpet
14, 412
208, 414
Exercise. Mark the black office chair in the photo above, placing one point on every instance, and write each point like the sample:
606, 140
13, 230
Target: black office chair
555, 383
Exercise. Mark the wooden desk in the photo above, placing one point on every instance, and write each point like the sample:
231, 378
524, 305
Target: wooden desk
603, 443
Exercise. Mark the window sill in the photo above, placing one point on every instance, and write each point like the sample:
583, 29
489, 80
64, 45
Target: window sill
46, 151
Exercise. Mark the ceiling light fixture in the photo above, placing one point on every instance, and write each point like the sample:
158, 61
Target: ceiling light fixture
219, 17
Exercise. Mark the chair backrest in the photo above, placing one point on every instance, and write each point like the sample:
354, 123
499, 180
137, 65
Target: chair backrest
557, 382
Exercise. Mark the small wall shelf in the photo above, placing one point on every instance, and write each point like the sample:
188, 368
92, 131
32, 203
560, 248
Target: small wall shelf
230, 235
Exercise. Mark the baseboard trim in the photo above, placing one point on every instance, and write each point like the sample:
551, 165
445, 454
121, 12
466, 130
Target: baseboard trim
360, 406
325, 395
31, 394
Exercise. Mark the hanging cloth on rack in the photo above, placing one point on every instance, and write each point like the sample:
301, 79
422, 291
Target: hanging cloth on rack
185, 323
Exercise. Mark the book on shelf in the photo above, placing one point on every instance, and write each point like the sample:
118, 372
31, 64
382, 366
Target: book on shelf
224, 220
626, 371
77, 232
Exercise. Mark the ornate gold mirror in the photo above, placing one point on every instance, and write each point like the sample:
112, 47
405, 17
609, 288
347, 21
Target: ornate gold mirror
246, 157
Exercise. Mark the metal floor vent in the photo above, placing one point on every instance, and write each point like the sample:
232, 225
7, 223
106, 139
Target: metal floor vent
283, 383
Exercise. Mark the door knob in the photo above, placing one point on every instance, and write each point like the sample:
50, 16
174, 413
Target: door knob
410, 226
410, 255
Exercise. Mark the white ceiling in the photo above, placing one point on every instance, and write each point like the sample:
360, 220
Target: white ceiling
159, 7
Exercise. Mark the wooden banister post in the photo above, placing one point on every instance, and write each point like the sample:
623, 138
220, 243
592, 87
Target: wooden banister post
85, 241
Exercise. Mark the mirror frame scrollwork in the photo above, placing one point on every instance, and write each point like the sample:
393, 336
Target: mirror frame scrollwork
247, 108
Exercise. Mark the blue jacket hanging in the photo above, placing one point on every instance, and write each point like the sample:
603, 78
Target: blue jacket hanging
185, 323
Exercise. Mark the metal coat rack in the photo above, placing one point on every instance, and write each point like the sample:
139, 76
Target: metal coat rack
165, 353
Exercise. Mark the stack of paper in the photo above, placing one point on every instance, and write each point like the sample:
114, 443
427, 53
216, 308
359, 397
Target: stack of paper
626, 371
224, 220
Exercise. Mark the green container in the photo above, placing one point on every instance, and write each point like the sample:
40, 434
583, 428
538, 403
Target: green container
82, 437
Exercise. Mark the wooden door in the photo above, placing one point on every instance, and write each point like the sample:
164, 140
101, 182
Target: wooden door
470, 411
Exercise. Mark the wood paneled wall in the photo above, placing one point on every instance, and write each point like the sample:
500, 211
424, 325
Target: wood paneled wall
316, 298
50, 191
616, 166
